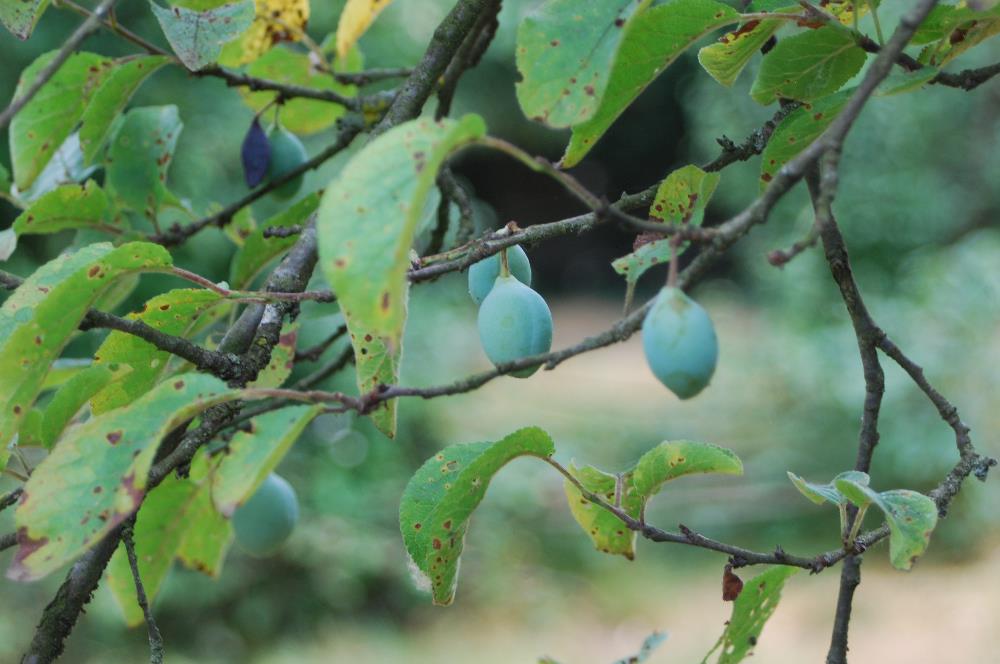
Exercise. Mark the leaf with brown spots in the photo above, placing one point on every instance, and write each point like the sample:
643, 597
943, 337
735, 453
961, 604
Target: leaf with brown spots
282, 359
564, 53
275, 21
197, 37
252, 455
68, 206
61, 505
605, 530
20, 16
672, 459
751, 611
726, 58
38, 319
175, 312
368, 218
439, 499
651, 42
71, 397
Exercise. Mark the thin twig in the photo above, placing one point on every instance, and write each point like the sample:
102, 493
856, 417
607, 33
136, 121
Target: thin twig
155, 638
10, 498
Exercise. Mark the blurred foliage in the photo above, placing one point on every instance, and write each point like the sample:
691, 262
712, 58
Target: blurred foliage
918, 204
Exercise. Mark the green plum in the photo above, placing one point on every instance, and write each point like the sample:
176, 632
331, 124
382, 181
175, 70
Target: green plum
514, 322
264, 522
680, 344
483, 275
287, 154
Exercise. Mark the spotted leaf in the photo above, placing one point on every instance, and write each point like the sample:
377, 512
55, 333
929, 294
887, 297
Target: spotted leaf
605, 530
672, 459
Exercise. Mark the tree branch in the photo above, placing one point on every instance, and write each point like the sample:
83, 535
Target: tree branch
155, 638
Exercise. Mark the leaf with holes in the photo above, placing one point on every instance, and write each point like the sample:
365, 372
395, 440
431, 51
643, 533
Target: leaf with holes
807, 66
276, 21
797, 131
96, 476
258, 251
282, 361
672, 459
911, 516
68, 206
71, 397
36, 132
252, 455
652, 41
355, 19
564, 53
37, 320
139, 157
175, 313
300, 115
111, 97
820, 493
20, 16
751, 611
197, 37
605, 530
441, 496
366, 224
725, 59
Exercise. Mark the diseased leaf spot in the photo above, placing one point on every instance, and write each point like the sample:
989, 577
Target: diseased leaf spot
114, 436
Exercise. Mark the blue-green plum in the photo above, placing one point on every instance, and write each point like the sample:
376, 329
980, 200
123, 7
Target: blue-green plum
483, 275
514, 322
287, 154
680, 344
264, 522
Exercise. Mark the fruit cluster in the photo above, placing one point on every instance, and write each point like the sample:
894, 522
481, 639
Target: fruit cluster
514, 322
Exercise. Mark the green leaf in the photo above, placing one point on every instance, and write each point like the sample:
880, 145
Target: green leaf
279, 368
197, 36
63, 370
807, 66
96, 476
68, 206
652, 41
800, 128
301, 116
683, 195
725, 59
605, 530
72, 396
20, 16
257, 251
37, 132
965, 37
111, 97
911, 516
176, 313
751, 611
376, 364
820, 493
36, 321
441, 496
564, 53
139, 157
4, 177
252, 455
670, 460
900, 81
8, 243
161, 524
204, 545
366, 224
66, 167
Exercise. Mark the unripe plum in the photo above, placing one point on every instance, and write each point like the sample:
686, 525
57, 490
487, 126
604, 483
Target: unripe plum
265, 521
287, 154
514, 322
483, 275
680, 344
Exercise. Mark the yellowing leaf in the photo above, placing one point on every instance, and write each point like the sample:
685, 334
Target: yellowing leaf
354, 20
276, 21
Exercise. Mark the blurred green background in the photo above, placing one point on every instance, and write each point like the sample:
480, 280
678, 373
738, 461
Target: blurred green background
918, 202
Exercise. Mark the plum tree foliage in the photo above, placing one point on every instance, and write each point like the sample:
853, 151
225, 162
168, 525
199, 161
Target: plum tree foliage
165, 442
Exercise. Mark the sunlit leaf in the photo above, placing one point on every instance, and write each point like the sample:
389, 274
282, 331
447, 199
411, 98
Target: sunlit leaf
751, 611
36, 321
725, 59
197, 37
441, 496
275, 21
652, 41
96, 475
672, 459
807, 66
175, 313
355, 18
